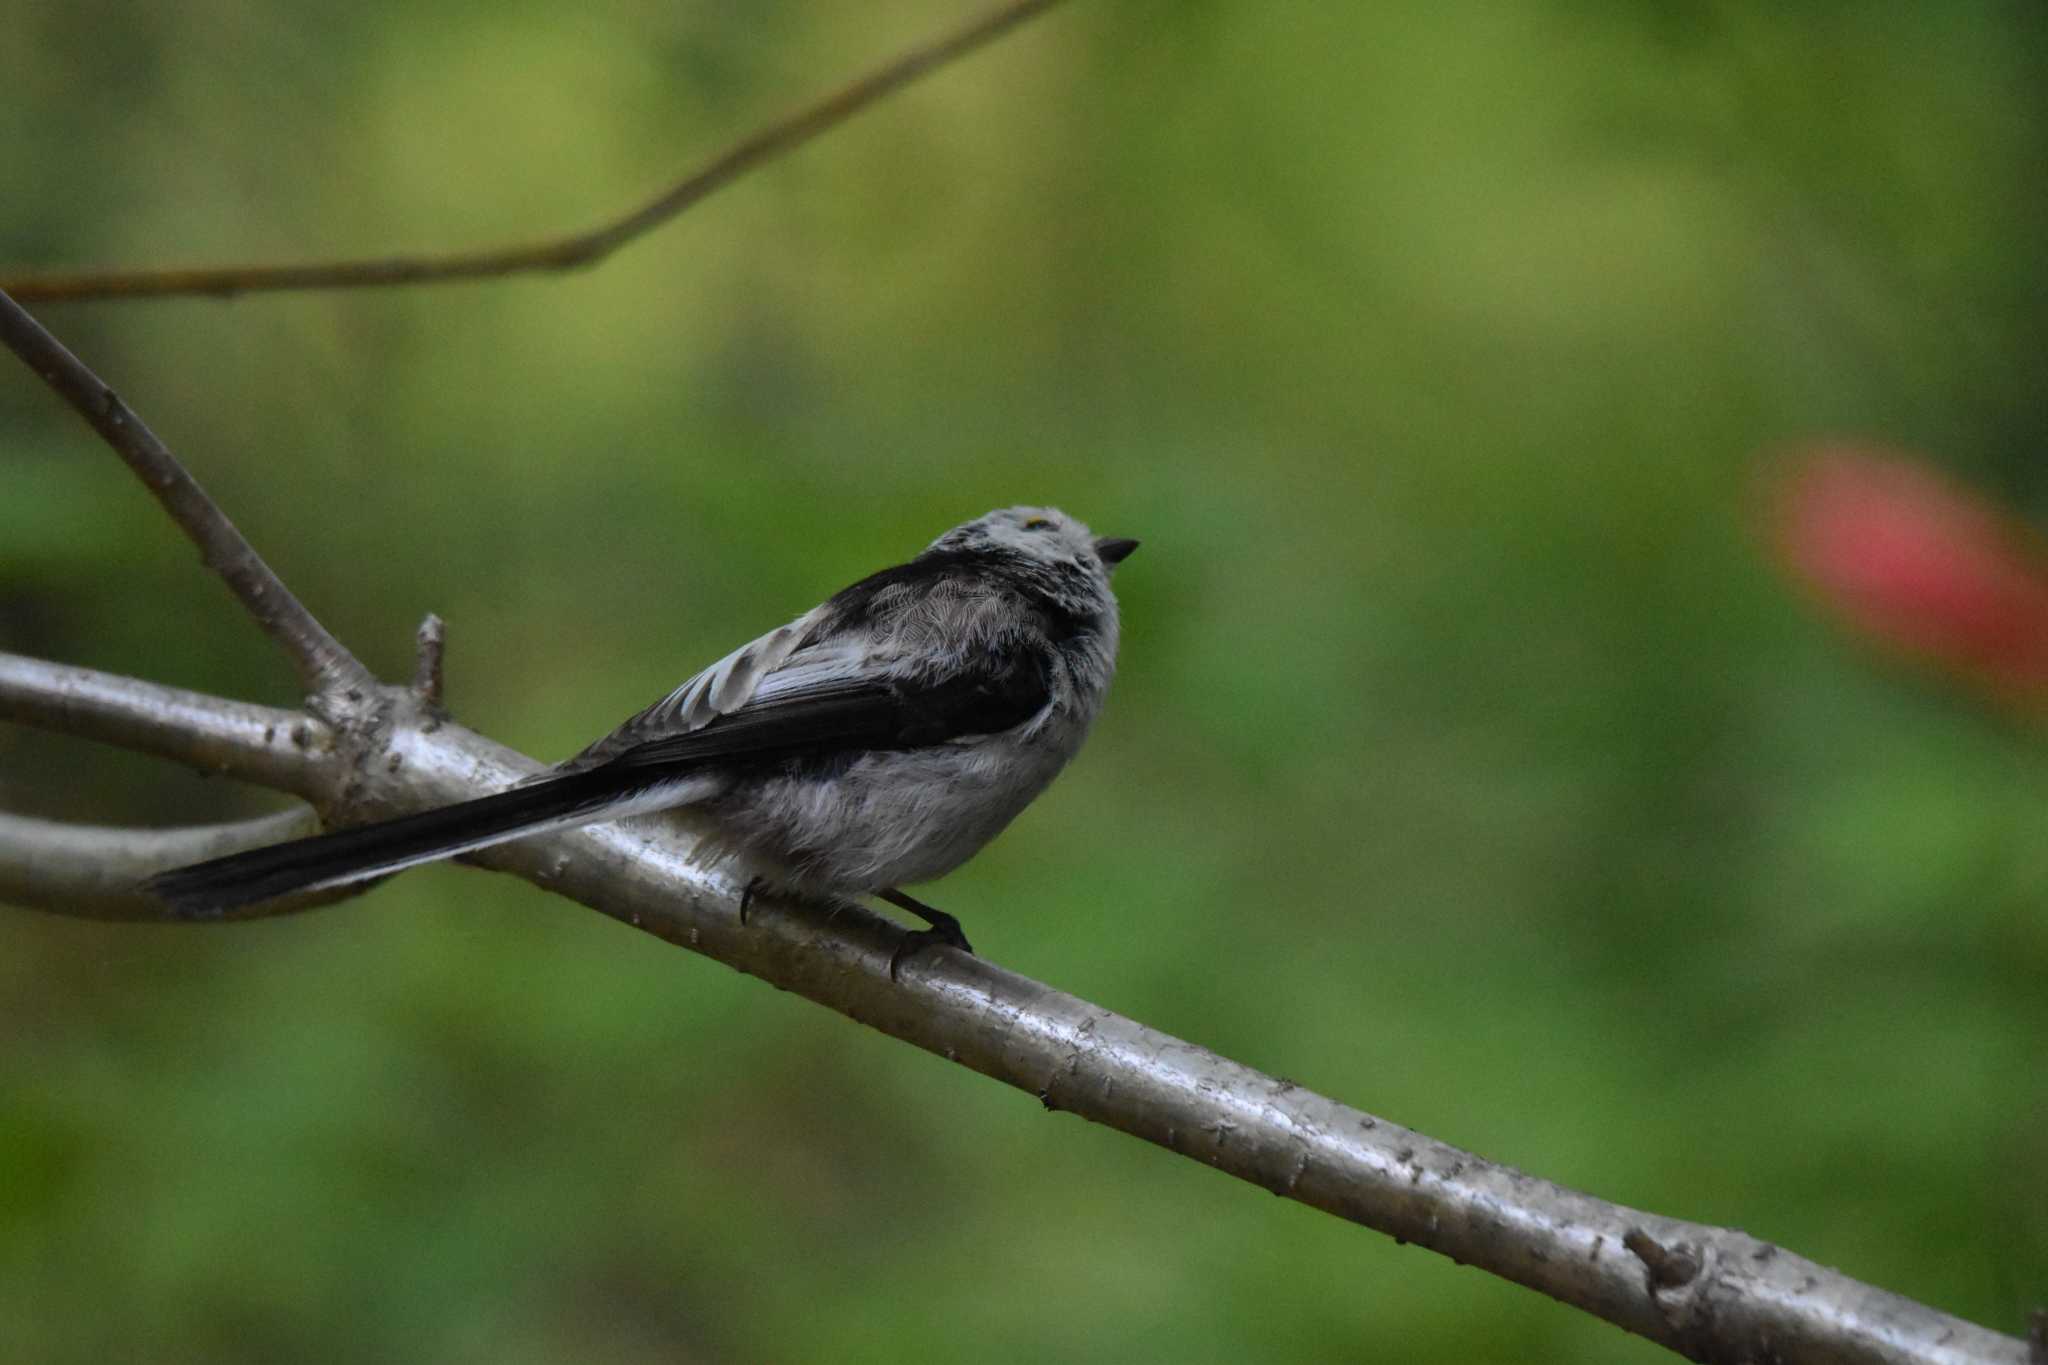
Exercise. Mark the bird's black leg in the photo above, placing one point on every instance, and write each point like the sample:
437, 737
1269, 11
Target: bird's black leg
944, 929
747, 896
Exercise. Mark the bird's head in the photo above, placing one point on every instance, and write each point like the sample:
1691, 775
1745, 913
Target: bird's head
1043, 536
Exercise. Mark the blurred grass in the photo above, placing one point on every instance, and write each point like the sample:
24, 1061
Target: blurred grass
1467, 763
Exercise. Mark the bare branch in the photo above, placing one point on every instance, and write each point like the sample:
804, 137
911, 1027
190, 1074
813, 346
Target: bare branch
283, 750
1708, 1293
91, 871
759, 147
323, 664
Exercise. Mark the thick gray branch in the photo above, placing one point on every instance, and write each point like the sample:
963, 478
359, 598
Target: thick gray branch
1708, 1293
322, 662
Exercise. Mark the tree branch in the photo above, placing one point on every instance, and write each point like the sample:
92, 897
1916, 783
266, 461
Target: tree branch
283, 750
1708, 1293
761, 146
91, 871
323, 664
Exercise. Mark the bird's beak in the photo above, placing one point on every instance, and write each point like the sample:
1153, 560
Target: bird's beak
1113, 550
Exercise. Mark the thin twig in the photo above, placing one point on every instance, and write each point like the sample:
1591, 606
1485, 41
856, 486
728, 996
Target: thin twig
1720, 1295
323, 664
554, 253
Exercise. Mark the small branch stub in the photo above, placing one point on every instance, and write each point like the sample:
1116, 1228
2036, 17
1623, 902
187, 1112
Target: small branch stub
1669, 1268
432, 640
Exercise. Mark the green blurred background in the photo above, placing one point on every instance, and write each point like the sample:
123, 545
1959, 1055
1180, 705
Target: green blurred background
1470, 762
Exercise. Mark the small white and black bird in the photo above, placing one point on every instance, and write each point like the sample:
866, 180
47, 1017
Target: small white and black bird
875, 742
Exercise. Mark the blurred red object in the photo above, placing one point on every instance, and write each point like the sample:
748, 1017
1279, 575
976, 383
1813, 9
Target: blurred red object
1919, 563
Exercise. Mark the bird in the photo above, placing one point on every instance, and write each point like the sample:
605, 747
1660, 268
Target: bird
878, 741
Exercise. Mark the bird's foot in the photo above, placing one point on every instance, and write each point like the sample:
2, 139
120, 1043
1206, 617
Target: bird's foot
945, 931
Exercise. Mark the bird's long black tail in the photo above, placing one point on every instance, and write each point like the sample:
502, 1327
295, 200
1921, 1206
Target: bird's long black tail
348, 855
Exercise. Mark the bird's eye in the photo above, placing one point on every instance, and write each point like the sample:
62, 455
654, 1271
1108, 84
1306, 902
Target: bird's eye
1038, 524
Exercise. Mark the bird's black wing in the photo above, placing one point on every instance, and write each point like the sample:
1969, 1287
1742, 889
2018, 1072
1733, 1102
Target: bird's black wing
992, 692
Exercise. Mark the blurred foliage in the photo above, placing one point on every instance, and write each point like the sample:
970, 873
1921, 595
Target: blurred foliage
1469, 763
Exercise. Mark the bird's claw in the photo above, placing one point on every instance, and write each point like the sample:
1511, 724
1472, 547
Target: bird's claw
944, 933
